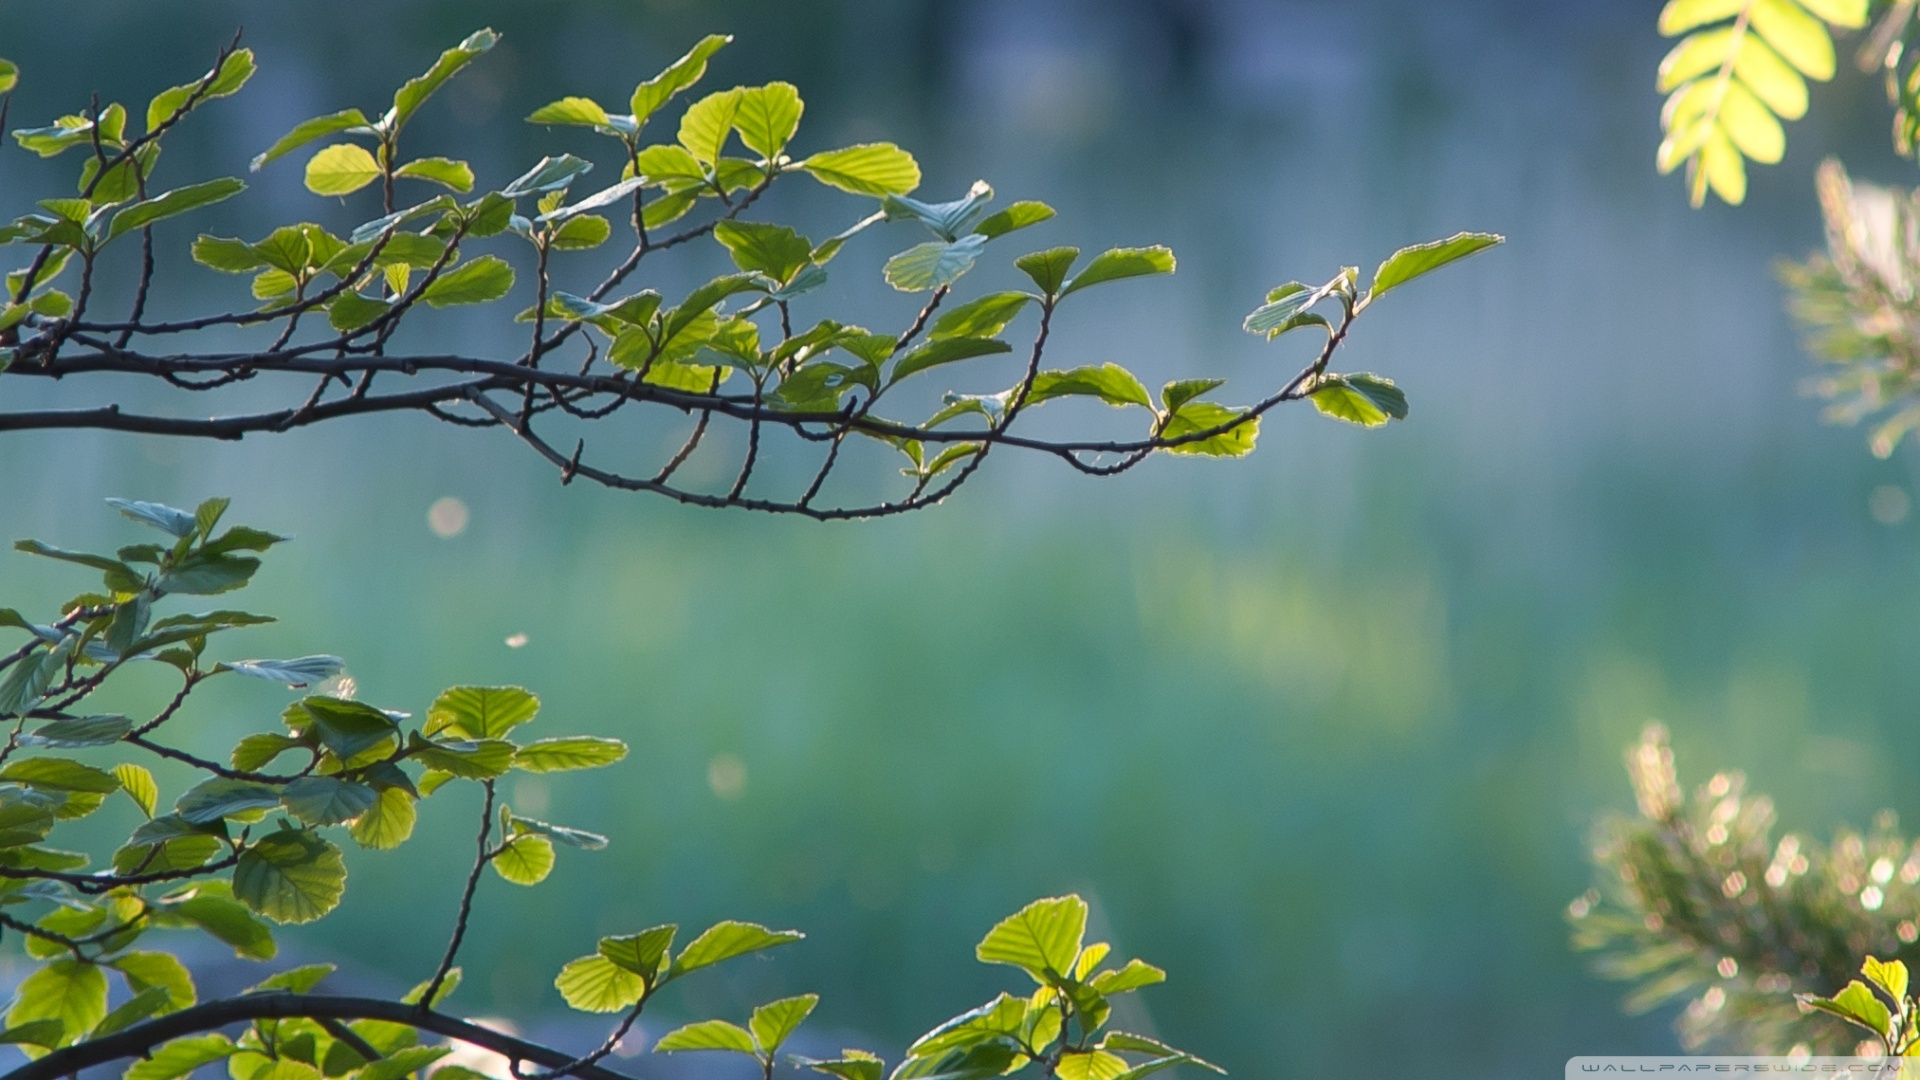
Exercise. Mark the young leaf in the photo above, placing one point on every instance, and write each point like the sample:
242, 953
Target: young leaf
229, 921
327, 800
301, 672
728, 939
773, 250
571, 752
1122, 263
1110, 383
341, 169
1136, 974
596, 984
9, 76
707, 1035
943, 351
78, 731
1042, 938
773, 1022
1016, 216
767, 118
59, 775
1411, 262
388, 823
640, 953
1855, 1004
580, 111
290, 876
1197, 416
173, 203
481, 712
234, 71
176, 523
1367, 400
139, 785
446, 172
877, 169
1888, 975
308, 130
706, 124
679, 75
1048, 268
181, 1057
485, 279
577, 838
408, 99
219, 797
526, 859
65, 990
933, 264
145, 970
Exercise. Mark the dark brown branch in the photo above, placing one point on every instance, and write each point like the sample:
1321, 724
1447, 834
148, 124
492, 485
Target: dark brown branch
141, 1039
480, 861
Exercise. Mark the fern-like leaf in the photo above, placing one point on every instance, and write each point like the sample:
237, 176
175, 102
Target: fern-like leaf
1739, 69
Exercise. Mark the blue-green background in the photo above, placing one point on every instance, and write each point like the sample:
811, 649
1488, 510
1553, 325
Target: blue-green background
1322, 731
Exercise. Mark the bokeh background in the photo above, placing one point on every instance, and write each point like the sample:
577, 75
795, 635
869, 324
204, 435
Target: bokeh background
1322, 731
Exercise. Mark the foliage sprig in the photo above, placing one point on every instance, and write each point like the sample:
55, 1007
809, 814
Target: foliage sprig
736, 349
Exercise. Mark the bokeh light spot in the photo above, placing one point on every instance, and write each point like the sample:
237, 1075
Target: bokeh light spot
447, 517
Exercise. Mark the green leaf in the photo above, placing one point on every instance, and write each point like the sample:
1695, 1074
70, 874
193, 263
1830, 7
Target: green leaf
144, 970
640, 953
256, 751
138, 783
351, 311
707, 1035
65, 990
290, 876
341, 169
706, 124
578, 838
173, 203
1679, 16
1888, 975
220, 797
1198, 416
481, 760
228, 256
388, 823
877, 169
854, 1065
1175, 394
774, 250
679, 75
947, 220
348, 728
572, 752
1001, 1017
229, 921
728, 939
1016, 216
446, 172
484, 279
1042, 938
1367, 400
298, 672
943, 351
1136, 974
1090, 1065
308, 130
526, 859
481, 712
933, 264
78, 731
1110, 383
46, 1033
327, 800
1851, 14
1411, 262
982, 317
582, 233
1048, 268
181, 1057
597, 984
659, 163
59, 775
9, 76
571, 110
773, 1022
408, 99
1855, 1004
175, 523
206, 573
1119, 263
234, 71
767, 117
303, 979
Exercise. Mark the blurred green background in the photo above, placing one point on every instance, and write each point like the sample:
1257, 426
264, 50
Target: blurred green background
1321, 731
